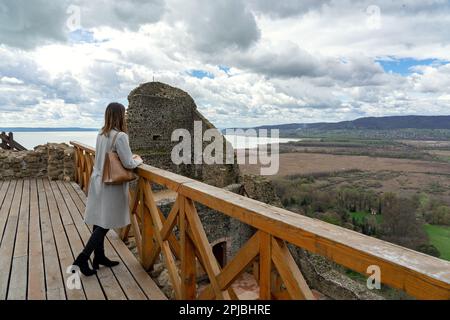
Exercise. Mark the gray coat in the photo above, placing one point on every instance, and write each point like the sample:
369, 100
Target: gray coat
108, 205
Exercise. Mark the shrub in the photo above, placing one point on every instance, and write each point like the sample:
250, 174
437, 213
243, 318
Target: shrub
330, 217
429, 249
440, 215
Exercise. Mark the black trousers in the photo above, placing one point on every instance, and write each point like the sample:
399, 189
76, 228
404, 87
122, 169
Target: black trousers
96, 242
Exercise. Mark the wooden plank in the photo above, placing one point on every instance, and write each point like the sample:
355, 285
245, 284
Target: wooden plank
125, 277
8, 142
265, 265
166, 234
201, 242
417, 274
21, 246
290, 273
108, 281
170, 221
75, 158
53, 274
65, 256
125, 232
235, 267
36, 275
140, 212
281, 295
89, 167
165, 247
9, 236
147, 237
18, 279
131, 289
91, 285
3, 190
61, 222
188, 262
137, 233
168, 179
145, 282
83, 146
6, 205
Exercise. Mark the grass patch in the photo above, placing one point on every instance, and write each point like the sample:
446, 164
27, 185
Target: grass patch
360, 215
440, 238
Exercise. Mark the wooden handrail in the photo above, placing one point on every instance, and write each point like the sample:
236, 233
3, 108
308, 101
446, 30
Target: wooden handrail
417, 274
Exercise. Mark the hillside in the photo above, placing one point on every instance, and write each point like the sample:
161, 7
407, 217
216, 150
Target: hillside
397, 127
373, 123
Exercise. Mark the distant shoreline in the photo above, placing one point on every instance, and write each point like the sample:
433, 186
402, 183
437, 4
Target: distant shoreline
25, 129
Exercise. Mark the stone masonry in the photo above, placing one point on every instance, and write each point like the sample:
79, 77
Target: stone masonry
52, 160
155, 111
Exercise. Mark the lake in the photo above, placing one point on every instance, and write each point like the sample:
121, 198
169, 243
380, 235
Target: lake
32, 139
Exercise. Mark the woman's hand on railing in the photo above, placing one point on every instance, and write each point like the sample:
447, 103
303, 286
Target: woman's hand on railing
137, 157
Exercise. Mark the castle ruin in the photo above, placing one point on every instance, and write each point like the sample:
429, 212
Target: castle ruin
155, 111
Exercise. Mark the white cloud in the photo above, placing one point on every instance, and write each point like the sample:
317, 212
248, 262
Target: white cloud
215, 25
271, 62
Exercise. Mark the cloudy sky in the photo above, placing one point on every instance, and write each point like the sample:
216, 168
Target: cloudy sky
245, 63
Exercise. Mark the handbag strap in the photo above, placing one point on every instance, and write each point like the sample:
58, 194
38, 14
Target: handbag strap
113, 142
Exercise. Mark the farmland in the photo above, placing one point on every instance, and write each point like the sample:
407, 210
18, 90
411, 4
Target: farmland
355, 183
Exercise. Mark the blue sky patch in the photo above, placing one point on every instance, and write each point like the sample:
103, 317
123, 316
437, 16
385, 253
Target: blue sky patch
200, 74
225, 69
81, 35
403, 66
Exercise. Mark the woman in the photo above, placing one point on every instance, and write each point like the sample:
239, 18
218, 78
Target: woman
107, 205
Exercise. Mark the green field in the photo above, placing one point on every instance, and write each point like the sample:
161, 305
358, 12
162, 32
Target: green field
360, 215
440, 238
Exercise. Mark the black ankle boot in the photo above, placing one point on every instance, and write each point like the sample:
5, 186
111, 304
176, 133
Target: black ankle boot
82, 262
101, 259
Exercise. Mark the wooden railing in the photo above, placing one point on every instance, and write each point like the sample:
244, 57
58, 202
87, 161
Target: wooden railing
7, 142
417, 274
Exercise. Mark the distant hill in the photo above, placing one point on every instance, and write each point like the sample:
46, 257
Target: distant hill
371, 123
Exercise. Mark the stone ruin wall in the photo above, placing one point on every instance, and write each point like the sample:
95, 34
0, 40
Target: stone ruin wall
155, 111
52, 160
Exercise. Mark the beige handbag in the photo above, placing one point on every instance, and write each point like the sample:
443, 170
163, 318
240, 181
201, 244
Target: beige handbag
113, 170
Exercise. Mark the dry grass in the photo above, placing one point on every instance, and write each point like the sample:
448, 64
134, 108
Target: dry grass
309, 163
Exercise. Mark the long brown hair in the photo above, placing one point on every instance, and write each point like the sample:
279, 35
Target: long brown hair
114, 118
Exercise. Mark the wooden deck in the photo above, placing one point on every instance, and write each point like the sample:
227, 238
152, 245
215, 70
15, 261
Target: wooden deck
42, 230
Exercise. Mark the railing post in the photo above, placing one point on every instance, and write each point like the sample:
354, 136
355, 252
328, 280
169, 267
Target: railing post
89, 168
83, 172
75, 159
147, 230
265, 266
188, 262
